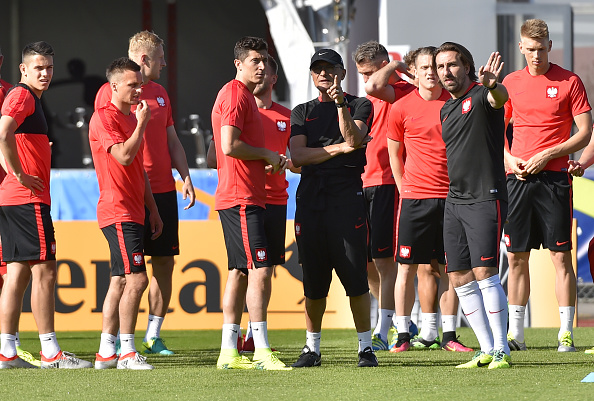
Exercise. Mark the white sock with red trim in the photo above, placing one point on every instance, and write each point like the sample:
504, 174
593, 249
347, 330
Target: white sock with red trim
473, 307
107, 346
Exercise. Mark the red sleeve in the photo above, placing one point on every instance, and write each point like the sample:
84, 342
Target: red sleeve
395, 123
169, 110
19, 104
113, 133
578, 96
234, 107
103, 96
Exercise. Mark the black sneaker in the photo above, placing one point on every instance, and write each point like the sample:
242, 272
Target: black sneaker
308, 359
367, 358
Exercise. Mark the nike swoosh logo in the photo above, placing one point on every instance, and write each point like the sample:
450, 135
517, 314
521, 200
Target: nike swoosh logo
235, 331
495, 312
483, 258
468, 314
321, 54
480, 364
561, 243
359, 225
518, 93
382, 249
311, 119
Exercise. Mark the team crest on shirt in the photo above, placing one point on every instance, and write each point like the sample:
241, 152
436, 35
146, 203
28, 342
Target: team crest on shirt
53, 248
507, 240
281, 125
137, 259
160, 101
297, 229
261, 255
404, 252
552, 92
466, 105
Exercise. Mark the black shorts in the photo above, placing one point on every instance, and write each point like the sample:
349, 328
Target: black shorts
540, 212
167, 244
245, 238
420, 231
27, 233
333, 238
472, 234
125, 246
381, 204
275, 226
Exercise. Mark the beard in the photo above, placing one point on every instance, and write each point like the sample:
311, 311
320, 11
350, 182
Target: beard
454, 86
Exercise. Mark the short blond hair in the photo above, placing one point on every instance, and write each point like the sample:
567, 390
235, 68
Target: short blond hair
144, 42
534, 29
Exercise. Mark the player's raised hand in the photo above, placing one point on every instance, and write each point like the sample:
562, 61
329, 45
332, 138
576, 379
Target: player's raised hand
335, 91
488, 74
143, 112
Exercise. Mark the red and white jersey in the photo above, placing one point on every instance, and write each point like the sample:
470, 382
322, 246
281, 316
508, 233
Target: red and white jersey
543, 108
241, 182
378, 170
32, 146
416, 122
276, 122
157, 159
121, 187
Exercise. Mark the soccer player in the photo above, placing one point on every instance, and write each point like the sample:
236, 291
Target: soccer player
240, 198
328, 137
116, 136
162, 150
544, 101
277, 129
422, 181
476, 205
379, 187
26, 227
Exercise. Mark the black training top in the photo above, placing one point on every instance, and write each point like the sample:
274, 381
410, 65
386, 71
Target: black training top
318, 121
473, 132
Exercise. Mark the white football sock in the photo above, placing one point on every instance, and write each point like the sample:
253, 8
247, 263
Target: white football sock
448, 323
17, 339
471, 301
249, 333
364, 340
384, 321
153, 327
566, 314
107, 346
49, 345
402, 324
260, 334
516, 321
230, 333
312, 340
8, 346
495, 303
429, 329
127, 344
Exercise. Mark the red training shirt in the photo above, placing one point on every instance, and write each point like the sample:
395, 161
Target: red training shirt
33, 150
121, 187
416, 122
543, 108
378, 170
241, 182
276, 122
157, 159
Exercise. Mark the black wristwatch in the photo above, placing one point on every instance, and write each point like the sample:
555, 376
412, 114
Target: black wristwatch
343, 104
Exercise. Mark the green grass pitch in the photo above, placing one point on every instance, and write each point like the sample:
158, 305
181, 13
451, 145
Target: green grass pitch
541, 373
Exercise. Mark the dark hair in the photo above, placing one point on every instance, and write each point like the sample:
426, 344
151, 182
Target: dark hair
247, 43
370, 51
273, 64
120, 65
465, 56
41, 48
